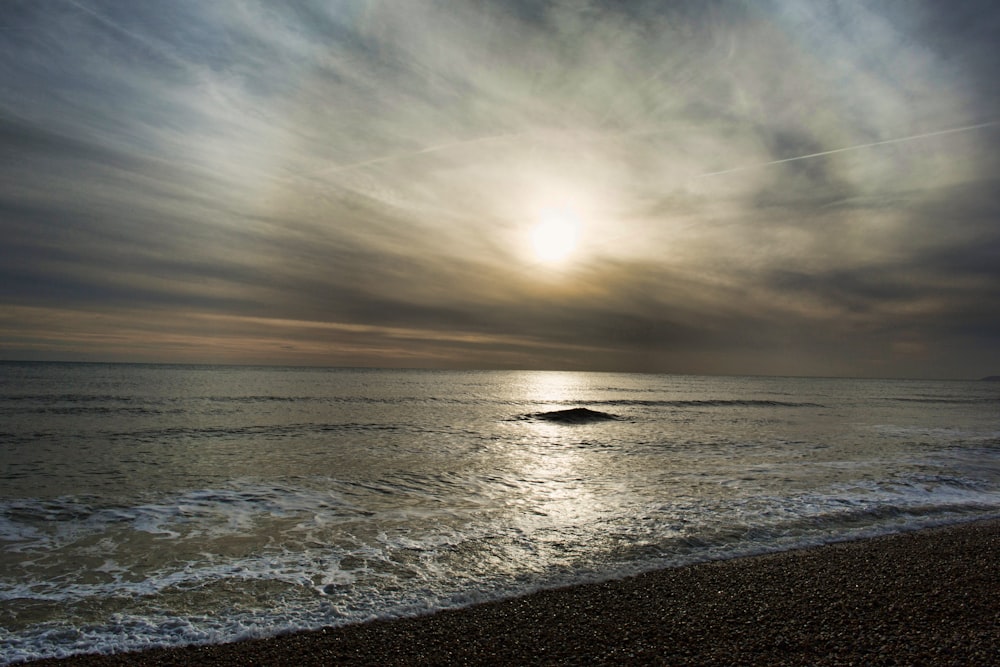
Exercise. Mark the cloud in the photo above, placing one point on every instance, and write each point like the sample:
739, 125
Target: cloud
752, 181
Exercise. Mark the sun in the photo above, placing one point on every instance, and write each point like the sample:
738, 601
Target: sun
555, 236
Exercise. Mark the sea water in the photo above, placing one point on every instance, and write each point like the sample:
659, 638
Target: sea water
145, 505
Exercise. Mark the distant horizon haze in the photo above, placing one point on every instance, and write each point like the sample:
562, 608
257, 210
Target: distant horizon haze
472, 369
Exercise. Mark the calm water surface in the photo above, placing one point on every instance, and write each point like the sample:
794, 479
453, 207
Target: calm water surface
159, 505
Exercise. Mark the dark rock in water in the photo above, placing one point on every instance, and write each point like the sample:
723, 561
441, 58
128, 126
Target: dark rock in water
991, 378
575, 416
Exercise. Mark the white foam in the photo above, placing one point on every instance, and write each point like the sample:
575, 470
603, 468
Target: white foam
320, 560
31, 524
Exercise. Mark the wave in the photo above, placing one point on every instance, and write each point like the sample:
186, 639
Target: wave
710, 403
108, 404
946, 400
413, 569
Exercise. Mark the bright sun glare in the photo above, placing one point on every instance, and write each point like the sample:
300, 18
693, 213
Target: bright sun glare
554, 237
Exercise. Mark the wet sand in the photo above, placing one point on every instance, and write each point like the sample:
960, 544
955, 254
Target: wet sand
930, 597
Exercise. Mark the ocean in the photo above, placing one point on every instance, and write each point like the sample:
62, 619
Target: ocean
156, 505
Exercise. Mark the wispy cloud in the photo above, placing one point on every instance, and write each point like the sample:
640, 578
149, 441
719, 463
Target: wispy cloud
775, 187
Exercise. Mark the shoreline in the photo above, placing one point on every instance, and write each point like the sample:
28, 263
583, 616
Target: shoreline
923, 597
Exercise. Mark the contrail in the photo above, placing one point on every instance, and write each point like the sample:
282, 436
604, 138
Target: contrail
897, 140
141, 39
336, 169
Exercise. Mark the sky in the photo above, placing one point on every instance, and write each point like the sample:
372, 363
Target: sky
773, 187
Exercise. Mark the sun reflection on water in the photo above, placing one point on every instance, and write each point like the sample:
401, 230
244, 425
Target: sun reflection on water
555, 389
562, 480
